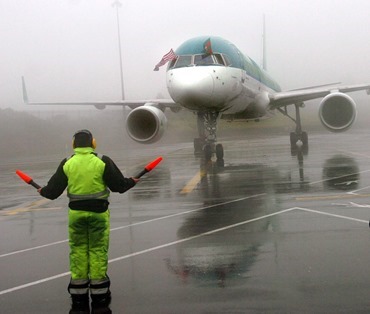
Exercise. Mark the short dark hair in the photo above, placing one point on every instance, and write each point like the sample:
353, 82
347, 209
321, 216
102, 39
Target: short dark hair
82, 138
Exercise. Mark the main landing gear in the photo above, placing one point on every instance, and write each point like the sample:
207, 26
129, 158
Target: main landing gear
206, 145
299, 138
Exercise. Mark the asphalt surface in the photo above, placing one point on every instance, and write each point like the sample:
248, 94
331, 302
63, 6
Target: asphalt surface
268, 233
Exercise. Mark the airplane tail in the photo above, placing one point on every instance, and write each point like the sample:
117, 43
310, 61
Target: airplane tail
264, 64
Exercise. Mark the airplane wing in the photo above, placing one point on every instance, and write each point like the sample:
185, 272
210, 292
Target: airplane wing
102, 104
281, 99
160, 103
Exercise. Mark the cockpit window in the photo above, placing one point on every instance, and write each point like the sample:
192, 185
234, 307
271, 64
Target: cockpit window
219, 59
226, 60
203, 60
199, 60
172, 63
183, 61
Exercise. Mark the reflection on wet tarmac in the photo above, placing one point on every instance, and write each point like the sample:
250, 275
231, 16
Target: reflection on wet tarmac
229, 254
341, 173
288, 182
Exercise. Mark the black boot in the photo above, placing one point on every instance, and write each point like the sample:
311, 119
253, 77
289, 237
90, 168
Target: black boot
100, 303
80, 304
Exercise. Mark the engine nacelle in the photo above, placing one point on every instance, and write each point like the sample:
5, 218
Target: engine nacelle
100, 106
146, 124
262, 101
337, 112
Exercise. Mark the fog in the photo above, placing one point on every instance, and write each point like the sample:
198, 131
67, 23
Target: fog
68, 49
47, 135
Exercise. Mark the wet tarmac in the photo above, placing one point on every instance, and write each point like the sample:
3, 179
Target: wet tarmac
268, 233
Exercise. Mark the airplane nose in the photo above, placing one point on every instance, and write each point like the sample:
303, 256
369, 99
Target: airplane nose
190, 87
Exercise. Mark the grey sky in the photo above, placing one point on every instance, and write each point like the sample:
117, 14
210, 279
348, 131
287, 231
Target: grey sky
67, 49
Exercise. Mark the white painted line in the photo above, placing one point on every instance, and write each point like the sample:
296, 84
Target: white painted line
352, 204
200, 235
188, 212
33, 248
150, 249
138, 223
332, 215
187, 239
330, 179
355, 191
34, 283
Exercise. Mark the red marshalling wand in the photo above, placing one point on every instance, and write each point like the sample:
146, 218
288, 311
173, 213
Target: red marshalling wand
149, 167
27, 179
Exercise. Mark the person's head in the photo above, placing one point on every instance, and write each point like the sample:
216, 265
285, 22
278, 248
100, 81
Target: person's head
83, 138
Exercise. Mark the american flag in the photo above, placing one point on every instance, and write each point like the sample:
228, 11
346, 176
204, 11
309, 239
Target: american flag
167, 57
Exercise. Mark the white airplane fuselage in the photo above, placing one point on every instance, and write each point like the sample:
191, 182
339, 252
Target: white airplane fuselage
201, 82
223, 89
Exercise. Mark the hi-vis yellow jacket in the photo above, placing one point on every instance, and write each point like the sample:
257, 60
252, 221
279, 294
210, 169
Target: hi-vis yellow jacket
84, 171
89, 179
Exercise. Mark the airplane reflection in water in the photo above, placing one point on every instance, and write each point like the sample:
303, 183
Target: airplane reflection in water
228, 255
341, 173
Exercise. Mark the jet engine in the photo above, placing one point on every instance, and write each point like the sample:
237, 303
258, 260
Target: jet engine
262, 101
337, 112
146, 124
100, 107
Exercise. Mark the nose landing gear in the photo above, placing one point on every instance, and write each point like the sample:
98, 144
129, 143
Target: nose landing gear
205, 146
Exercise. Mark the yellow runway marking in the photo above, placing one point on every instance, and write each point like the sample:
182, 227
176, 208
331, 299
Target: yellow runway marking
39, 202
26, 210
190, 186
33, 206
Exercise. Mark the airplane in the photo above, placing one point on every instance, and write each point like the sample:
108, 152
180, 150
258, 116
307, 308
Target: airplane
213, 78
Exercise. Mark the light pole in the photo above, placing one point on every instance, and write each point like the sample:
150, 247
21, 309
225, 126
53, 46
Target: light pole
118, 4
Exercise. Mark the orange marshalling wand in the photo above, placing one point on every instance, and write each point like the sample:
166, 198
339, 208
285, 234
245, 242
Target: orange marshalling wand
149, 167
26, 178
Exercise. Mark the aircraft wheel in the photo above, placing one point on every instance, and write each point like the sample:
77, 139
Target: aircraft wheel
207, 152
220, 162
220, 155
294, 151
219, 151
197, 146
304, 139
293, 139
